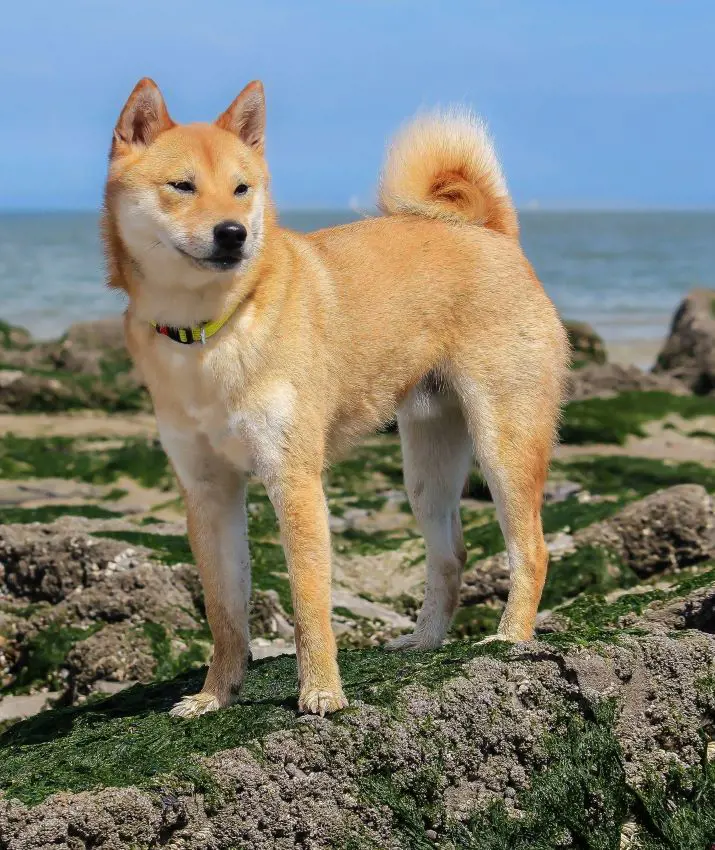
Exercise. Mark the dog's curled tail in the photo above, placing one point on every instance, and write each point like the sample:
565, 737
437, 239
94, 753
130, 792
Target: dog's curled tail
443, 165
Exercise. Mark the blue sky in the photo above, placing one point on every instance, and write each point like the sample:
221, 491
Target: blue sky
593, 104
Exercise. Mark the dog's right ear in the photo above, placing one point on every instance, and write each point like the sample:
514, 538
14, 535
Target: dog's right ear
144, 116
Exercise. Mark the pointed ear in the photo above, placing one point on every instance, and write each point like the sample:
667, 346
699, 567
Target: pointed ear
246, 116
144, 116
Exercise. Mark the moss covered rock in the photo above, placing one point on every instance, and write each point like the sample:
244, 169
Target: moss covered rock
665, 532
615, 418
595, 734
13, 336
586, 345
88, 367
469, 746
609, 379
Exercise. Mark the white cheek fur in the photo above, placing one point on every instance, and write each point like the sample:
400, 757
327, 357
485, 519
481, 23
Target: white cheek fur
254, 241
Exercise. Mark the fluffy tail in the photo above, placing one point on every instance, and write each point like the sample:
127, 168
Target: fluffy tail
443, 165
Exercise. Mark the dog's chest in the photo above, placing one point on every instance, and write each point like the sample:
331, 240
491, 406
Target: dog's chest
209, 405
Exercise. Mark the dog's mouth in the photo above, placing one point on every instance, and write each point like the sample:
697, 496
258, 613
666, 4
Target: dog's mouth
223, 262
218, 261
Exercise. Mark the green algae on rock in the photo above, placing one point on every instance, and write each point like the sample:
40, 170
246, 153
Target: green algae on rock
613, 420
49, 513
593, 734
629, 477
526, 746
95, 460
88, 367
586, 345
13, 336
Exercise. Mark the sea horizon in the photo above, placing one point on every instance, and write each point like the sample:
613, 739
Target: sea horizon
624, 271
529, 207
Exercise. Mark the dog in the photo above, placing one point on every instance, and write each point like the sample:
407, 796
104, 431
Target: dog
270, 352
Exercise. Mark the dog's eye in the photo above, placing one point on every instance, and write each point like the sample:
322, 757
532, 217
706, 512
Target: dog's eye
182, 185
241, 189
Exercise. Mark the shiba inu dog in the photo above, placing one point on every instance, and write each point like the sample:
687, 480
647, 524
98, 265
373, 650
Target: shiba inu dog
268, 352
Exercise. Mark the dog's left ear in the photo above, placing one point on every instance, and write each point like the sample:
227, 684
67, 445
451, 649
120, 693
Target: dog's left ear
246, 116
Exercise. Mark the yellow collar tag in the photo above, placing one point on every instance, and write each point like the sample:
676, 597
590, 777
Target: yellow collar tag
198, 333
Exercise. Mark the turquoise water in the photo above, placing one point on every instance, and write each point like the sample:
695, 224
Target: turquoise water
623, 272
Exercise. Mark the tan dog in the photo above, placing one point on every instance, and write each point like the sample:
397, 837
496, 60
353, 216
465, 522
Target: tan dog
310, 341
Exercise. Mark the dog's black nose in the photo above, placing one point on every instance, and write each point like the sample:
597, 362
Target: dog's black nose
229, 235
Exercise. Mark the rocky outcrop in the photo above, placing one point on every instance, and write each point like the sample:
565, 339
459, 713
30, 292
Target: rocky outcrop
13, 336
469, 746
118, 653
112, 611
94, 579
689, 351
609, 379
668, 530
28, 392
86, 368
593, 736
586, 345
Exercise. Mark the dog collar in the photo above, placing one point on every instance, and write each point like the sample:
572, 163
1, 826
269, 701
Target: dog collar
197, 333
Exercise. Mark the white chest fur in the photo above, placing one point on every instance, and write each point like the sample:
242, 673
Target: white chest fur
208, 408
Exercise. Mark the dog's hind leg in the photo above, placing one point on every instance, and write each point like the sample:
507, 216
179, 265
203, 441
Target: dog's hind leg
437, 453
513, 433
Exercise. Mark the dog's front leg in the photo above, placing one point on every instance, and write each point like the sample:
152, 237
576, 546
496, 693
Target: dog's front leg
303, 515
215, 496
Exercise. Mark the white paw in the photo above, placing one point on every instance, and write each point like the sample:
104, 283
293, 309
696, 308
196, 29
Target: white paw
317, 701
414, 641
195, 705
497, 637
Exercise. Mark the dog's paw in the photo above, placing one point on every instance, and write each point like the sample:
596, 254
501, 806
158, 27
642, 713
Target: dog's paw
322, 702
498, 637
414, 641
195, 705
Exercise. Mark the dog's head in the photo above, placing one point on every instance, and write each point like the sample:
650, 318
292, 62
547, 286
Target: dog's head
188, 202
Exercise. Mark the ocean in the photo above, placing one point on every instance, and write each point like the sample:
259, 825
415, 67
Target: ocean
623, 272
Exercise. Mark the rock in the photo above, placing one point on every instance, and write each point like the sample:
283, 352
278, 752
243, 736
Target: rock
268, 618
586, 345
609, 379
143, 591
88, 347
486, 581
27, 392
689, 351
470, 744
38, 564
670, 529
88, 367
102, 334
75, 584
118, 653
24, 705
365, 609
559, 491
696, 610
270, 648
13, 337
